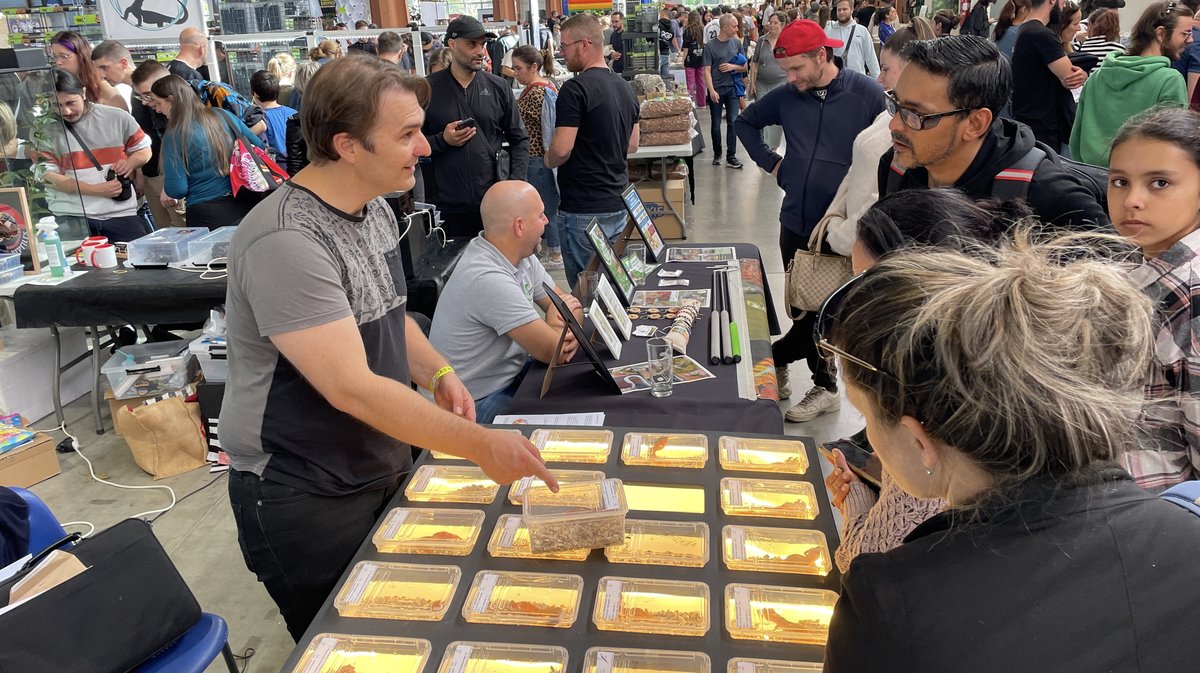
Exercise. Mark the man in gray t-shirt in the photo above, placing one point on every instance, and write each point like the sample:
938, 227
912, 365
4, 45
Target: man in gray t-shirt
487, 323
718, 78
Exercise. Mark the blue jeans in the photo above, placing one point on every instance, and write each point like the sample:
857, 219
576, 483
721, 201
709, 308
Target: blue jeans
664, 64
543, 181
490, 406
577, 249
727, 101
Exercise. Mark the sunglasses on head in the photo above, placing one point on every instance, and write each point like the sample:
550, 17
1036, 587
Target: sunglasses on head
827, 321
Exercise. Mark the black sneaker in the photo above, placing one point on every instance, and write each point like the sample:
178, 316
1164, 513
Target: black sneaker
733, 163
716, 161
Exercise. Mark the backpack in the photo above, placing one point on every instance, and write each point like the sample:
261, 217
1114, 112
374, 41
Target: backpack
221, 95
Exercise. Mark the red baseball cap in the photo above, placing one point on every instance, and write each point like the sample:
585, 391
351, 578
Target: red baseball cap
802, 37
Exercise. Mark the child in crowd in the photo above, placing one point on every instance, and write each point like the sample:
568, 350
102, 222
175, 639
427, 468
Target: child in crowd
266, 95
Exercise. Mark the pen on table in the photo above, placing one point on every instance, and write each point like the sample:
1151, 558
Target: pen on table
737, 342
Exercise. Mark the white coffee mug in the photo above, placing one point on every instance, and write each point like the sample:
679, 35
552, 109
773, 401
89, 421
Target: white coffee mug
84, 254
103, 256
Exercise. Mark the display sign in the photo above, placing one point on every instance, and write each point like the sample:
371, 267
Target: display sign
585, 345
149, 19
644, 225
609, 261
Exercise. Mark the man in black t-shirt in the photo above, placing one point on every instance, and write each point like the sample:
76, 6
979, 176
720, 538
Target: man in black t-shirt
616, 60
863, 14
596, 129
667, 44
1043, 77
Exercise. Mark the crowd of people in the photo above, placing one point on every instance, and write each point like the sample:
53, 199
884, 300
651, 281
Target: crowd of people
1019, 198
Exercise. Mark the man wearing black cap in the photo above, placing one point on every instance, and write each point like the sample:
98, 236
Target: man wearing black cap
471, 113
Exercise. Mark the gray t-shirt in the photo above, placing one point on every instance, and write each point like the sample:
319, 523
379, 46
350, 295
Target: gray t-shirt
717, 52
485, 299
769, 72
296, 262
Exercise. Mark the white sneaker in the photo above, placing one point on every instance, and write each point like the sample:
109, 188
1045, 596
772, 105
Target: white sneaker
785, 384
816, 401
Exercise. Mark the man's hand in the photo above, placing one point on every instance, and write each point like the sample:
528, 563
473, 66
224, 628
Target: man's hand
775, 171
1076, 79
123, 168
728, 67
569, 346
712, 94
616, 56
110, 189
456, 137
512, 457
571, 301
450, 394
752, 91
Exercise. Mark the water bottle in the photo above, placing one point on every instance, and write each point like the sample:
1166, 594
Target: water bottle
48, 228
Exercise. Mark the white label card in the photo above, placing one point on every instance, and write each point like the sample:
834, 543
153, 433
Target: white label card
320, 655
731, 452
737, 543
604, 661
422, 479
486, 585
608, 490
663, 273
399, 516
735, 493
612, 599
741, 606
511, 526
361, 581
746, 667
617, 310
462, 654
635, 446
604, 328
522, 486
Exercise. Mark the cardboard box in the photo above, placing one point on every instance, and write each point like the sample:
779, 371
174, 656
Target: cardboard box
651, 193
26, 465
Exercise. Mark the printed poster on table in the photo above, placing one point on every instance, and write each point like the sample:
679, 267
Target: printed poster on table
724, 254
636, 377
160, 20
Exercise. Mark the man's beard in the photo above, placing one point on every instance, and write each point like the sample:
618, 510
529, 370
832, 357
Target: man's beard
1055, 15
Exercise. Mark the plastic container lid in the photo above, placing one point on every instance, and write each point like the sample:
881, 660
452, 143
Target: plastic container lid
209, 346
665, 543
638, 605
448, 532
781, 550
10, 260
780, 614
451, 483
630, 660
573, 446
341, 653
587, 515
782, 456
680, 498
407, 591
768, 497
665, 450
523, 599
210, 246
474, 657
510, 539
750, 665
516, 493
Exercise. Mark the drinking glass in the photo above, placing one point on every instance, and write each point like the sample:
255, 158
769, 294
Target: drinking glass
585, 288
636, 254
661, 367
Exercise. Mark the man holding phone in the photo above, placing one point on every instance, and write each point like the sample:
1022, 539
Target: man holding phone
471, 115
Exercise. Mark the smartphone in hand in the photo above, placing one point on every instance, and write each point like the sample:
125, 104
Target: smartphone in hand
864, 464
467, 123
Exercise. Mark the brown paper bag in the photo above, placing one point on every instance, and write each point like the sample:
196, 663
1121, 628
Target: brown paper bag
165, 438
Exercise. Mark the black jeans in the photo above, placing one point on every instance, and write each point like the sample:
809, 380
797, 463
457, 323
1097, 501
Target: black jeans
224, 211
799, 342
119, 229
299, 544
728, 102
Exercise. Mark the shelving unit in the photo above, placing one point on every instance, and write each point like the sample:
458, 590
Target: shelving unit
35, 26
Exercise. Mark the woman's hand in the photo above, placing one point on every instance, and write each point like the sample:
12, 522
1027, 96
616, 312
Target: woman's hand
838, 482
166, 201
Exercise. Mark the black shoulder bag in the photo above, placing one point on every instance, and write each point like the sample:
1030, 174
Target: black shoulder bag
126, 183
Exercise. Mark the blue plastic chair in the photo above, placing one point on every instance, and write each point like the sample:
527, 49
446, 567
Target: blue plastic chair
44, 529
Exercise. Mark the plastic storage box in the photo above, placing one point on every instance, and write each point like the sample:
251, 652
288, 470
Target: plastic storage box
470, 657
523, 599
580, 516
10, 267
445, 532
783, 550
516, 493
149, 369
163, 247
665, 450
629, 660
662, 543
752, 665
336, 653
211, 246
763, 455
768, 497
510, 539
573, 446
638, 605
211, 353
407, 591
451, 483
780, 614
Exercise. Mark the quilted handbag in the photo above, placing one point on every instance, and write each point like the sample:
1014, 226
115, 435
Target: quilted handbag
812, 275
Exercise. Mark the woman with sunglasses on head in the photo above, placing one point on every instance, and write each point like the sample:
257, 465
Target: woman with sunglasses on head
1154, 201
70, 51
1008, 386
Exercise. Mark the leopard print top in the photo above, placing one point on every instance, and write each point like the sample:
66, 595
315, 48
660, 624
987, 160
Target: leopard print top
530, 106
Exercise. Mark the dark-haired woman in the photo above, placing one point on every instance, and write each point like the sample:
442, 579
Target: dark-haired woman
1104, 34
1008, 24
693, 59
537, 107
72, 52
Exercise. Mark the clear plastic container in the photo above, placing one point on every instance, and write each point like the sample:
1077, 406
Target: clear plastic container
408, 591
662, 543
780, 550
637, 605
139, 370
665, 498
573, 446
510, 539
768, 497
523, 599
779, 614
451, 483
781, 456
445, 532
754, 665
10, 267
164, 246
211, 246
211, 352
516, 492
587, 515
630, 660
341, 653
473, 657
665, 450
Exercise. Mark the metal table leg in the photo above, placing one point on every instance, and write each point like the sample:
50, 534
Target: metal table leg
56, 379
96, 339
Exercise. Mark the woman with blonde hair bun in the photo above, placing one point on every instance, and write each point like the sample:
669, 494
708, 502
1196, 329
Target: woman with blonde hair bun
282, 67
325, 51
1007, 383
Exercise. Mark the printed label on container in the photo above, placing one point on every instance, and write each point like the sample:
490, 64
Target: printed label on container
737, 540
604, 661
398, 519
510, 531
731, 451
462, 654
320, 655
360, 583
741, 607
609, 494
746, 667
612, 599
422, 480
635, 446
486, 585
735, 493
522, 486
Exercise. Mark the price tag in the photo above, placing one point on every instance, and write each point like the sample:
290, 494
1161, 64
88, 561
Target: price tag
741, 606
521, 486
731, 451
486, 585
421, 480
612, 599
604, 661
462, 654
737, 542
539, 439
735, 493
511, 525
361, 581
608, 489
746, 667
635, 446
399, 516
320, 655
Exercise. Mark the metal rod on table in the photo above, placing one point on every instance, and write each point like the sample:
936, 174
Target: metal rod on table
726, 346
714, 334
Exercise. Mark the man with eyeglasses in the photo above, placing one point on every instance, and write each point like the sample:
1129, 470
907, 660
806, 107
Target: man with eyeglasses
946, 133
821, 111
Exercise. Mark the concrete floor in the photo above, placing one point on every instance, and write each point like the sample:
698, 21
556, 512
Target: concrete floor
199, 533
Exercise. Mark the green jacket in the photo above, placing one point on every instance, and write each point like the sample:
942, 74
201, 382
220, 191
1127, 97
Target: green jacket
1120, 88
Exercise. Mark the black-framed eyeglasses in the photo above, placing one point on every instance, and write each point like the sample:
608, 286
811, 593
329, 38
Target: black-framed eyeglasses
915, 120
571, 44
827, 319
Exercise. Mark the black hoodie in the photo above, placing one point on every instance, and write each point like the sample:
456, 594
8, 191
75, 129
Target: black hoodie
1055, 195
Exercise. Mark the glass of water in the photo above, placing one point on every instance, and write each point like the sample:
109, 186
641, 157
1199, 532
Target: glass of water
585, 288
635, 258
661, 366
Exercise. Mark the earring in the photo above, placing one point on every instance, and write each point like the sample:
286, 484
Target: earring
929, 471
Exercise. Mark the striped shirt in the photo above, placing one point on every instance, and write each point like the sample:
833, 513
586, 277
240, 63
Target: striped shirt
111, 134
1100, 47
1169, 450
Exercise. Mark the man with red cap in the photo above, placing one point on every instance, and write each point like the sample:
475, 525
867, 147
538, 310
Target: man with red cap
821, 112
